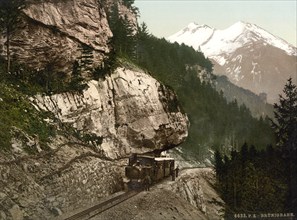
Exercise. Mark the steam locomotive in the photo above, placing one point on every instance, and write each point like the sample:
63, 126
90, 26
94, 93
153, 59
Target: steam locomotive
142, 166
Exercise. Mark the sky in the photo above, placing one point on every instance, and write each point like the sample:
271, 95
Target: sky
166, 17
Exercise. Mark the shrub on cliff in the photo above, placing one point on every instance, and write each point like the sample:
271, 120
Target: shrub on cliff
17, 112
10, 13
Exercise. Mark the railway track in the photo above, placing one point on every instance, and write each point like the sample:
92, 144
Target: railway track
101, 207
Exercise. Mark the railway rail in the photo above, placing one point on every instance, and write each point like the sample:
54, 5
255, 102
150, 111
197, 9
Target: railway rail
101, 207
105, 205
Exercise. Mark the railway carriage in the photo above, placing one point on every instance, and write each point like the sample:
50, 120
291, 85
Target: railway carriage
140, 166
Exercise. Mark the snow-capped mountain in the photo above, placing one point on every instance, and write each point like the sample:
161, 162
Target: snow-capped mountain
250, 56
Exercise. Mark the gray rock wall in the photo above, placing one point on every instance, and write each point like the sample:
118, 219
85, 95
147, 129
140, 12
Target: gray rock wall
129, 109
53, 33
32, 188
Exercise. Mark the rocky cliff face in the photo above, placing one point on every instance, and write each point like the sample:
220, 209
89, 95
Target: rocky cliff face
130, 110
55, 32
125, 112
46, 185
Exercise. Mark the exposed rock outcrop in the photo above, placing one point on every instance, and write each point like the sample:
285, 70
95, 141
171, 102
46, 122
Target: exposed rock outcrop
129, 109
197, 187
54, 33
51, 183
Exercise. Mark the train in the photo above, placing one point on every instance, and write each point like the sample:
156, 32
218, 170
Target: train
141, 167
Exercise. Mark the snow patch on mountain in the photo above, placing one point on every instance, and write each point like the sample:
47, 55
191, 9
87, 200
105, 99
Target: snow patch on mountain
219, 44
193, 35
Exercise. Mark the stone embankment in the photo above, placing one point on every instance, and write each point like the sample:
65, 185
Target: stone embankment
47, 186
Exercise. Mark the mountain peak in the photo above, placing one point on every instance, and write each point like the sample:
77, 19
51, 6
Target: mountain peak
218, 44
248, 54
194, 25
193, 35
241, 24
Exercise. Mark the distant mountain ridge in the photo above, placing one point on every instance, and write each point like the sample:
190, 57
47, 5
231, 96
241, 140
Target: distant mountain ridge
248, 55
255, 103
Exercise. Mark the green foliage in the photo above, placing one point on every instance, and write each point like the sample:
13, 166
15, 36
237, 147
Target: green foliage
10, 20
91, 138
213, 121
47, 80
286, 114
10, 11
108, 65
252, 181
16, 111
123, 40
264, 181
285, 128
129, 5
256, 105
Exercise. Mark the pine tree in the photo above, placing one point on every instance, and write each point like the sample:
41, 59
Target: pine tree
128, 3
143, 30
124, 38
142, 35
10, 20
86, 60
219, 165
286, 132
286, 114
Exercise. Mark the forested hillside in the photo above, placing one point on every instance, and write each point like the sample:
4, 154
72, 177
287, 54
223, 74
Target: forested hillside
256, 103
253, 174
253, 181
214, 122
